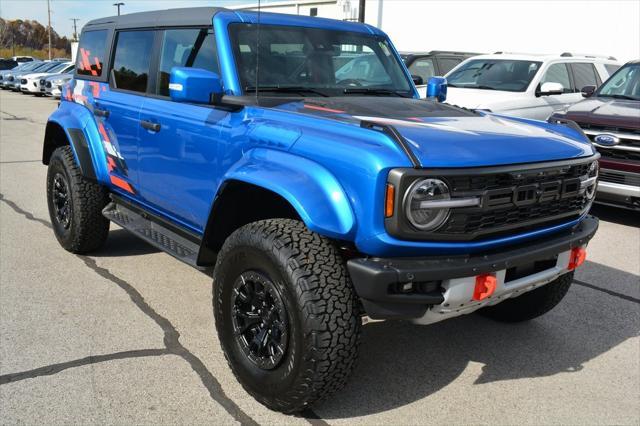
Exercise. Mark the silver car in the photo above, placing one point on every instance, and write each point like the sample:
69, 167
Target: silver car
52, 85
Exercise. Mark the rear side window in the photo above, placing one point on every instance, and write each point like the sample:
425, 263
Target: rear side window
447, 64
423, 67
584, 74
558, 73
131, 60
193, 47
611, 68
91, 52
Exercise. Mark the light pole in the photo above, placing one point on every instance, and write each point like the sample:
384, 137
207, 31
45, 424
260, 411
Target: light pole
49, 27
118, 6
75, 28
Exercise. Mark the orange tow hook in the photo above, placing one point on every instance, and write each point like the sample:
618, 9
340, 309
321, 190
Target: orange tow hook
577, 257
485, 286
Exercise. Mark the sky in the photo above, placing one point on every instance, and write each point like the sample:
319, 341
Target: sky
63, 10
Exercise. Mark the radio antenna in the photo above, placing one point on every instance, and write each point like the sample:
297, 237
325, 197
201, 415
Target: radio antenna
258, 53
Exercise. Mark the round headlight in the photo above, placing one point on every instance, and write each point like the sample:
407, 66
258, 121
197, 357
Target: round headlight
421, 216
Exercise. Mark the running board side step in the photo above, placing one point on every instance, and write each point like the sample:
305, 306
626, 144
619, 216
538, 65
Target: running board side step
156, 231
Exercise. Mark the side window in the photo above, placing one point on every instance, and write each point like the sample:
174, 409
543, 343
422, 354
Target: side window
584, 74
558, 73
131, 60
447, 64
186, 48
423, 67
91, 53
611, 68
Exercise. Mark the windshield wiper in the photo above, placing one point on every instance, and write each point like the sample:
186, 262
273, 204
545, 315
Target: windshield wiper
285, 89
372, 91
631, 98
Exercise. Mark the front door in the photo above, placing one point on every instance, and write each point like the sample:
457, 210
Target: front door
180, 145
545, 106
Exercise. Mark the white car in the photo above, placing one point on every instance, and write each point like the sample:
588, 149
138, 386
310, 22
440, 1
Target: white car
53, 85
530, 86
31, 83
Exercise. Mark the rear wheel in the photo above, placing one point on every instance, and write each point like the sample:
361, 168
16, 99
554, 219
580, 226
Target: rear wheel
286, 313
75, 204
531, 304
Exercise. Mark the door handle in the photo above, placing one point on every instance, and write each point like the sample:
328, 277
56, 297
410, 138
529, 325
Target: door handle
150, 125
101, 112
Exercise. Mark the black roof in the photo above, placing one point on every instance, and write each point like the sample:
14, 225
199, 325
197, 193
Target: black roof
197, 16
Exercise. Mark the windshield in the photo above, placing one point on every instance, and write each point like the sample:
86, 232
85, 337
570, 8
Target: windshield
494, 74
625, 83
329, 63
42, 67
26, 66
59, 67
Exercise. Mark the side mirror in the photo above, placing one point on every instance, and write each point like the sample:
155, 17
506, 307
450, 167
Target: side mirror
195, 85
550, 88
437, 88
588, 91
417, 80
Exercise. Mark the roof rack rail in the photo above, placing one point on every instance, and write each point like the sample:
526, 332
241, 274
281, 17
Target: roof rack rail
587, 55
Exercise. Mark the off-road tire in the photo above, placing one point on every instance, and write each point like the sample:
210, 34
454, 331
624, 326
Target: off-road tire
321, 306
88, 228
531, 304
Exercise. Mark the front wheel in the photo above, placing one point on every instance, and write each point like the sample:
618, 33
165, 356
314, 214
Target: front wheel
286, 313
532, 304
75, 204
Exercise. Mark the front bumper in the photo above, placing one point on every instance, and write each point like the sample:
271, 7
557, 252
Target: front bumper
30, 87
622, 193
441, 287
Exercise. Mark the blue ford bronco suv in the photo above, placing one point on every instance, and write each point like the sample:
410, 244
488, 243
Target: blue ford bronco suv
321, 190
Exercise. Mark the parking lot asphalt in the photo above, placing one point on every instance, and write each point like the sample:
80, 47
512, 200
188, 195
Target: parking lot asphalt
126, 335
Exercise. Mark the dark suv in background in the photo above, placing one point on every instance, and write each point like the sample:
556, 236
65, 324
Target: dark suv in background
610, 116
436, 62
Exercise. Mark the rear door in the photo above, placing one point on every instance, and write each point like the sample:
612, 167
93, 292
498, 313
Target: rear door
180, 151
119, 107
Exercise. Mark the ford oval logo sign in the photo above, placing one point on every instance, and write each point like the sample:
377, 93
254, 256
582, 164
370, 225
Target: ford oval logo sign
606, 140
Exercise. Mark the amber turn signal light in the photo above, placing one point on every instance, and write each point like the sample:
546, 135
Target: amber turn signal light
389, 200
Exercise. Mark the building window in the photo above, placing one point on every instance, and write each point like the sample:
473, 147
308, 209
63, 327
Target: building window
313, 11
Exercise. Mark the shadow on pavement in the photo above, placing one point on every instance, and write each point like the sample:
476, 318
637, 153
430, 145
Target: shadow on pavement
123, 243
616, 215
401, 363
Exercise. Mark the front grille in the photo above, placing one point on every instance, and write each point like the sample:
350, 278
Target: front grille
515, 199
42, 82
623, 178
628, 148
514, 217
48, 84
492, 181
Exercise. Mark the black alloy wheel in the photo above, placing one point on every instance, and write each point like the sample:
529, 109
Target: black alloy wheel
61, 200
259, 319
